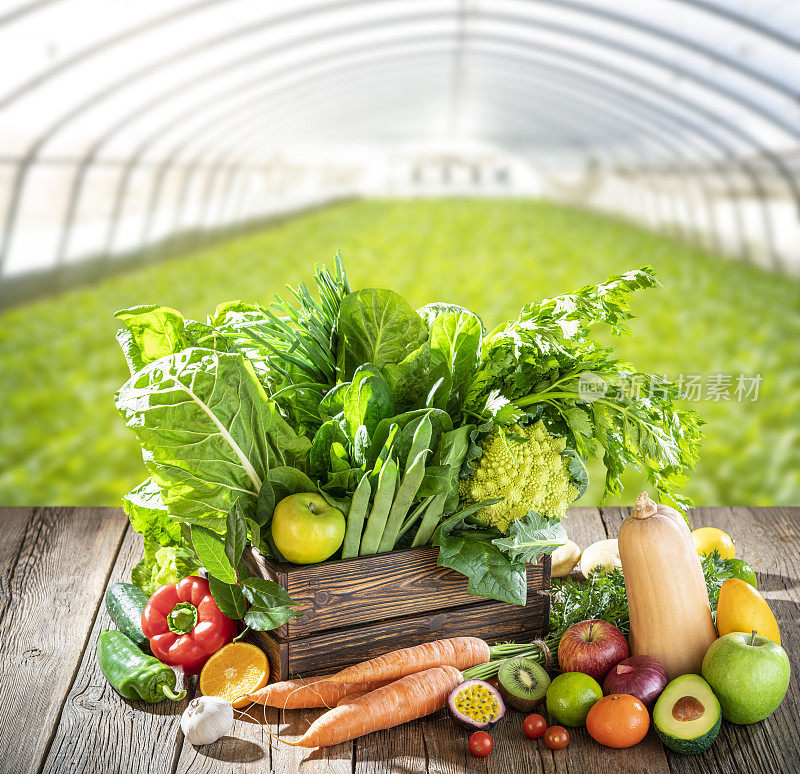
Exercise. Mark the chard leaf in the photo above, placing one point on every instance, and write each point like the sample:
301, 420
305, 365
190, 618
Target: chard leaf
528, 538
206, 430
376, 326
210, 550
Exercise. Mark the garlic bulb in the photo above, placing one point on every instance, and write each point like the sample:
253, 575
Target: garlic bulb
206, 719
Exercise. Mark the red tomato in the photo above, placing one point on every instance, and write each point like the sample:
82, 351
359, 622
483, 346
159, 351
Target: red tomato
556, 737
534, 726
480, 744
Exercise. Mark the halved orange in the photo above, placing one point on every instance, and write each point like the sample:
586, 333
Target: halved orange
235, 670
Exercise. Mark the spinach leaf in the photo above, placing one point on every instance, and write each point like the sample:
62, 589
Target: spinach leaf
455, 336
367, 400
376, 326
490, 572
329, 433
287, 481
528, 538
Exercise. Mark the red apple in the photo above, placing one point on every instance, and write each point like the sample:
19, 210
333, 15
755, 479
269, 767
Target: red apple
593, 647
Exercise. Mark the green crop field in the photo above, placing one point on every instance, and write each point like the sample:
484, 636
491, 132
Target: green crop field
714, 319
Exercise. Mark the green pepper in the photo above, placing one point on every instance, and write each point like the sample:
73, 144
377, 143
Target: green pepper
133, 674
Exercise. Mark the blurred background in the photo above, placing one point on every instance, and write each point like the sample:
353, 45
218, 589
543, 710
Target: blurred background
484, 152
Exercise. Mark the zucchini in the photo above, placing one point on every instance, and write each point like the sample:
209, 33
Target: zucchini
125, 604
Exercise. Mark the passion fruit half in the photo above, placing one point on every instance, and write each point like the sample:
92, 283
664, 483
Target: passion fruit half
476, 704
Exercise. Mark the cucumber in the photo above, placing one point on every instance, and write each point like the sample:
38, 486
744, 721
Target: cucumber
125, 604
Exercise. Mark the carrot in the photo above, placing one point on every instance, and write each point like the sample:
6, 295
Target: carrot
410, 697
312, 692
458, 652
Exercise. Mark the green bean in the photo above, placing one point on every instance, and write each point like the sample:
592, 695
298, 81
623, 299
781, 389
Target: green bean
384, 496
355, 518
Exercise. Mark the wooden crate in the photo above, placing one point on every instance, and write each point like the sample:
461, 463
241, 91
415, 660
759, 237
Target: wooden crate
359, 608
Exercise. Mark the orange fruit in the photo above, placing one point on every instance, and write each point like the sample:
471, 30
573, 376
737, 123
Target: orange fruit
618, 720
235, 670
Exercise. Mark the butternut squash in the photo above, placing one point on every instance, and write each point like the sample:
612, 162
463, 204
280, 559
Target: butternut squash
667, 596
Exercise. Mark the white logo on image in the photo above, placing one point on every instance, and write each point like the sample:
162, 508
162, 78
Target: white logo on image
591, 386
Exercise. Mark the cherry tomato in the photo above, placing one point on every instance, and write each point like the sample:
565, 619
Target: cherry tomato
480, 744
534, 726
556, 737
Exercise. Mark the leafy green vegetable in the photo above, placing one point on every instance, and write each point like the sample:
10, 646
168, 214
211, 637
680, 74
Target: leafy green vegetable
207, 430
377, 327
210, 550
530, 537
149, 516
167, 564
545, 360
471, 551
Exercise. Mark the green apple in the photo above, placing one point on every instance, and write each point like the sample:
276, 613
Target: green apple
749, 675
306, 529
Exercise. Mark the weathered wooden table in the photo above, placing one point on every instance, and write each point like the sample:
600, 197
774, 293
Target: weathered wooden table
57, 714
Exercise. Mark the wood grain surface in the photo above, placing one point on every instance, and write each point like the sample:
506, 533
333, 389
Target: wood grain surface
335, 594
57, 714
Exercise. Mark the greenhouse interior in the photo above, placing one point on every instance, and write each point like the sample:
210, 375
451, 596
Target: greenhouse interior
480, 152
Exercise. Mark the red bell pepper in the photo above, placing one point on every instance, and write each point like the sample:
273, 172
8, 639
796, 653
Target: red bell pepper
184, 625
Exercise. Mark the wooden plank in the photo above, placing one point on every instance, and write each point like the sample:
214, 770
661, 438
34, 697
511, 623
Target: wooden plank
249, 747
329, 651
99, 730
335, 594
52, 596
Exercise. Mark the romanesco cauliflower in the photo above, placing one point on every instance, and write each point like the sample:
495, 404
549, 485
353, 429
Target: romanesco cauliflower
528, 475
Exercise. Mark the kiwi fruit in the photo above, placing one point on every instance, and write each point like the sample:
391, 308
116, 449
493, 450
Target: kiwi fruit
522, 683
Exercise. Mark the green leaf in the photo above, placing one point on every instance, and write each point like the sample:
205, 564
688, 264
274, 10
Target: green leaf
235, 535
376, 326
489, 572
167, 564
367, 400
455, 336
264, 593
470, 550
287, 481
229, 598
206, 430
149, 517
154, 332
528, 538
265, 504
210, 550
266, 620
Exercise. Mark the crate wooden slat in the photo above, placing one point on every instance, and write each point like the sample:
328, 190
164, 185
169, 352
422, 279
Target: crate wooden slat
359, 608
346, 592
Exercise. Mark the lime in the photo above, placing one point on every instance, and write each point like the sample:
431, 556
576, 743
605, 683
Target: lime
570, 697
742, 570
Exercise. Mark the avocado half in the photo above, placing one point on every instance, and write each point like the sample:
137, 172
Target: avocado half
687, 715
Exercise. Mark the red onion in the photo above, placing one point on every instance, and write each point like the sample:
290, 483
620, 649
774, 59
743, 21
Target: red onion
641, 676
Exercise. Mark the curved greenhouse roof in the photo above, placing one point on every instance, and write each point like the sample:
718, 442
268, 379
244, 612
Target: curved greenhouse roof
125, 125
